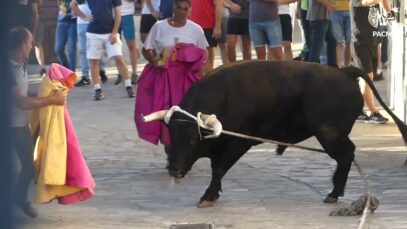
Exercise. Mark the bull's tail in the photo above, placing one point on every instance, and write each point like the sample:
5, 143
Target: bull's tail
356, 72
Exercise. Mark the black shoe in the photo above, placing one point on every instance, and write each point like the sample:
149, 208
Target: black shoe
377, 118
134, 78
130, 92
363, 117
29, 210
82, 82
43, 71
118, 80
103, 76
99, 95
378, 77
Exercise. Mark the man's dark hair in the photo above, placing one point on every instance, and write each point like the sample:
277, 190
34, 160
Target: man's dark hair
187, 1
17, 37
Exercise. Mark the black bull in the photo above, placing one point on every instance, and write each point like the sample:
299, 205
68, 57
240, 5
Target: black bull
283, 101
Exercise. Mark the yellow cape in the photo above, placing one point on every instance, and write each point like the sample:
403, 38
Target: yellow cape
48, 128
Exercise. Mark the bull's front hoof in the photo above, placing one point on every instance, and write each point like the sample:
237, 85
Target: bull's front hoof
330, 200
206, 204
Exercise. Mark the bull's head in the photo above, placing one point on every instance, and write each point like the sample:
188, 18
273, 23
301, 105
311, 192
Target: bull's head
187, 143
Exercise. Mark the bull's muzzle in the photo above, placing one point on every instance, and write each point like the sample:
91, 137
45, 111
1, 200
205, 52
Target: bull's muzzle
176, 173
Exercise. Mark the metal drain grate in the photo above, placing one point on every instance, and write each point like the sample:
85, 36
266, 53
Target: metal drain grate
192, 226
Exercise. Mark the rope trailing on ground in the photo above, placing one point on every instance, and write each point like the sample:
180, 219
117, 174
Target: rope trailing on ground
362, 205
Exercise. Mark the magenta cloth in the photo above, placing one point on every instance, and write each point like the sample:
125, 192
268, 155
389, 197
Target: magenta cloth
162, 89
78, 173
59, 73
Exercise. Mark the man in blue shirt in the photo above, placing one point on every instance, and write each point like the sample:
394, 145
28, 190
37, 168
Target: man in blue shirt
103, 32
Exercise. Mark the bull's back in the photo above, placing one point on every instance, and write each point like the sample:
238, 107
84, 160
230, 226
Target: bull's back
273, 99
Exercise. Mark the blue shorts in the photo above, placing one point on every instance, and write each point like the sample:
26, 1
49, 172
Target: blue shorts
267, 32
341, 26
127, 26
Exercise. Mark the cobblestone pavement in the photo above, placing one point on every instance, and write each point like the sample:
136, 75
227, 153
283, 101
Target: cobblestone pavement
261, 191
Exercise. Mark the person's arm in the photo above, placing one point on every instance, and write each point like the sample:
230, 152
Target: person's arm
117, 21
217, 31
36, 17
27, 103
149, 55
235, 8
156, 14
370, 2
386, 5
328, 4
298, 10
78, 12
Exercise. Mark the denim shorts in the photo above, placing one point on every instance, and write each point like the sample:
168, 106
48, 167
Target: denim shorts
267, 32
127, 26
341, 26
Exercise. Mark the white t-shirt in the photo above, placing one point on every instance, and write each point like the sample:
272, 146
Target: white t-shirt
127, 8
155, 3
284, 9
163, 35
85, 10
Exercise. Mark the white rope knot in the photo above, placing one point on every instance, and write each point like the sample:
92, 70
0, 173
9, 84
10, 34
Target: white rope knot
208, 122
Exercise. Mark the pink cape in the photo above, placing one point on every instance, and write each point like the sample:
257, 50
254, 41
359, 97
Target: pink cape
162, 89
78, 173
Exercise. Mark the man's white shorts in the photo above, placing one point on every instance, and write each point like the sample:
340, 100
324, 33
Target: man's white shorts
95, 43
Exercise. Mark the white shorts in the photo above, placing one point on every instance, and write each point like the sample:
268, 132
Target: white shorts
95, 43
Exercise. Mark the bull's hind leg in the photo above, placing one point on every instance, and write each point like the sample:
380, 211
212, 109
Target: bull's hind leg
342, 150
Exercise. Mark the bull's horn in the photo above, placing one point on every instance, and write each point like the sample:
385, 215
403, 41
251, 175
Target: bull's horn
212, 122
158, 115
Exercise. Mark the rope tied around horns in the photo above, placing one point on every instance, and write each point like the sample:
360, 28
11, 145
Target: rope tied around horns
362, 205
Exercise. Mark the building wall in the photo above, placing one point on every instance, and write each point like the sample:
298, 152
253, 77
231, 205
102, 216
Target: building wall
398, 69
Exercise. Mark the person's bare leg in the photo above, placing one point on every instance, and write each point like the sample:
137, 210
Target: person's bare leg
260, 52
379, 59
122, 67
276, 53
132, 46
339, 55
210, 61
288, 52
39, 53
247, 47
94, 70
223, 49
231, 44
368, 96
143, 37
348, 54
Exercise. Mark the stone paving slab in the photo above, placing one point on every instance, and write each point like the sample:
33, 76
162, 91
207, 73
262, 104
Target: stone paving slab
262, 190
